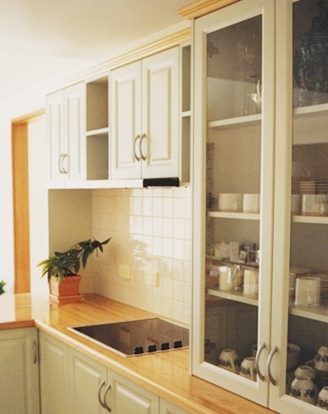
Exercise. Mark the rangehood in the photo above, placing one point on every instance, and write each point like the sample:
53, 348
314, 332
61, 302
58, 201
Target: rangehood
161, 182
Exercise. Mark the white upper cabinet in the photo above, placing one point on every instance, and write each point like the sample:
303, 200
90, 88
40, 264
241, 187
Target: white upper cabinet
144, 118
66, 136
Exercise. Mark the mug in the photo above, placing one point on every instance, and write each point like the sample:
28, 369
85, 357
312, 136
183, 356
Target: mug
228, 359
323, 398
307, 291
305, 371
251, 282
230, 278
321, 359
247, 368
304, 389
251, 203
230, 202
315, 204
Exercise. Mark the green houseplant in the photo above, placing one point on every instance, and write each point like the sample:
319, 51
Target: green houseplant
62, 268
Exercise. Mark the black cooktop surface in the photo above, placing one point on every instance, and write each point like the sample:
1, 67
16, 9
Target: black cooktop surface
138, 337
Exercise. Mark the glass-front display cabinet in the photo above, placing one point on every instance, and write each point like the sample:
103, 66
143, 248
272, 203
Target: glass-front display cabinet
260, 202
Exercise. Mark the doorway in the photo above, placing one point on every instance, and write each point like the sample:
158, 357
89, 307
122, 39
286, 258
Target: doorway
29, 202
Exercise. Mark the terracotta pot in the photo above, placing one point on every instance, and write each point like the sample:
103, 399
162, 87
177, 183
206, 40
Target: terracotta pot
67, 291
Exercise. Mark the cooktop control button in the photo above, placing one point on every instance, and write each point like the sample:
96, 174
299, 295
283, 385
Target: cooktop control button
164, 346
138, 350
177, 344
152, 348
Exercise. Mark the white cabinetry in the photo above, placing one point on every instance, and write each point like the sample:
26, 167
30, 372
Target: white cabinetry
166, 407
260, 74
54, 376
19, 374
145, 118
65, 110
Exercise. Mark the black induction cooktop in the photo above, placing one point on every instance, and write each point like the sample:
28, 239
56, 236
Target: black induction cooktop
137, 337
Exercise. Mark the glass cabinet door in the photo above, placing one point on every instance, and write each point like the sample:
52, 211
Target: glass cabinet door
233, 196
301, 254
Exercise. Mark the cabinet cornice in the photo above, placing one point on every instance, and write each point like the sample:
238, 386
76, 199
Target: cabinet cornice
201, 7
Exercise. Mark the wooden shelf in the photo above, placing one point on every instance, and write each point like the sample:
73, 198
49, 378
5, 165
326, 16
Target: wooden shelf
236, 296
234, 122
232, 215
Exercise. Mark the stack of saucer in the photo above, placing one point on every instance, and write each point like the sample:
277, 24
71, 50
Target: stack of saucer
313, 187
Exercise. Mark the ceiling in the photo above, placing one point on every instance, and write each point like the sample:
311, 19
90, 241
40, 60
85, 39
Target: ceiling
46, 39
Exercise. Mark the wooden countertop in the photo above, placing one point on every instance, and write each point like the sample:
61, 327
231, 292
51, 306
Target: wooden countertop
166, 374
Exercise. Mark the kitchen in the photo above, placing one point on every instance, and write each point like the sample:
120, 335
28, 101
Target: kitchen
162, 217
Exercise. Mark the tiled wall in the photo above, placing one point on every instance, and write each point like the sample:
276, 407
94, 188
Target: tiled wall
150, 230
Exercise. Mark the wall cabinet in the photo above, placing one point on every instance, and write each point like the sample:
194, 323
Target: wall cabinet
65, 111
144, 118
261, 116
19, 374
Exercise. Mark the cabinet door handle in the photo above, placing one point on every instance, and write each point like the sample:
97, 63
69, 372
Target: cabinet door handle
60, 164
257, 361
134, 147
140, 149
99, 393
270, 357
105, 395
64, 169
35, 350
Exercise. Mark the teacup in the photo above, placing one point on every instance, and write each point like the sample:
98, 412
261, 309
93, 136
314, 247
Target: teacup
293, 354
230, 278
304, 389
305, 371
321, 359
230, 202
228, 359
323, 398
247, 368
295, 203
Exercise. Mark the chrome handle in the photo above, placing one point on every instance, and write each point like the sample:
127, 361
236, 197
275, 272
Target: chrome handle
60, 164
64, 170
105, 395
270, 357
99, 393
257, 361
35, 350
140, 149
134, 147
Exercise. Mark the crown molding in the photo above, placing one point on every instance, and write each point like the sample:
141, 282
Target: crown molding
201, 7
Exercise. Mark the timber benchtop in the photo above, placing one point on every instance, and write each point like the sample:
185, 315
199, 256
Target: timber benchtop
165, 374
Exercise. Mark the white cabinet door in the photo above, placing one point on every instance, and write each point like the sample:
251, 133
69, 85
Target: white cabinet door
66, 136
54, 379
125, 110
88, 382
145, 118
19, 373
166, 407
130, 398
160, 115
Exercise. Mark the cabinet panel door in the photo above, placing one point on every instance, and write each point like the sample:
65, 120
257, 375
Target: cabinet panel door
125, 110
54, 376
19, 376
75, 156
55, 136
167, 407
130, 398
160, 116
86, 378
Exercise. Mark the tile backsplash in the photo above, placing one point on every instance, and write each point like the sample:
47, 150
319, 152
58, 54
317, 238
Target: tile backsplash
151, 233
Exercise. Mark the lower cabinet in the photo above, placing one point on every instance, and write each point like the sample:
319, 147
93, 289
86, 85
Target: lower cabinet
19, 371
72, 383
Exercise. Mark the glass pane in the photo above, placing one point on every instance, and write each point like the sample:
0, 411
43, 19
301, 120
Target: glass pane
307, 326
234, 62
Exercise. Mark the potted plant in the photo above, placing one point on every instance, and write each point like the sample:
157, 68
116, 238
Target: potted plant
62, 269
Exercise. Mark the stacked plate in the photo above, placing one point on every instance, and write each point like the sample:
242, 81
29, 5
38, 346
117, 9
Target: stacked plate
296, 185
313, 187
324, 284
